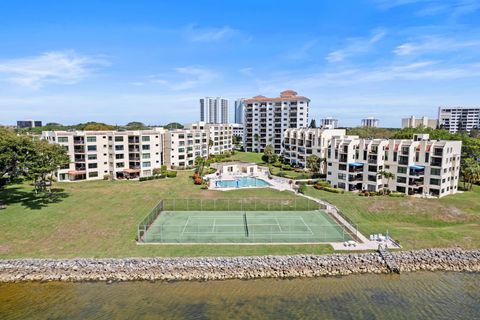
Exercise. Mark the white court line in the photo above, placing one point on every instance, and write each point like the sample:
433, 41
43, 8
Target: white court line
306, 225
278, 223
213, 227
185, 226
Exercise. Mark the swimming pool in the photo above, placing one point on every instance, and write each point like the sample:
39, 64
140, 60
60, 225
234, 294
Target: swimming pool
241, 183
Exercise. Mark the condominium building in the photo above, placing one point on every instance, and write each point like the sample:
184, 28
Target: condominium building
414, 122
301, 143
266, 119
237, 129
118, 154
239, 106
28, 124
421, 166
370, 122
183, 146
214, 110
458, 119
329, 123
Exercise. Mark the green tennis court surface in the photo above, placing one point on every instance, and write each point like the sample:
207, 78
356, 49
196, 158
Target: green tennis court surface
244, 227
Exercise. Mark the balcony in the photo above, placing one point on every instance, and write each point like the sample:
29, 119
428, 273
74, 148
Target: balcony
372, 161
355, 177
79, 159
133, 140
78, 150
78, 141
416, 182
343, 158
436, 163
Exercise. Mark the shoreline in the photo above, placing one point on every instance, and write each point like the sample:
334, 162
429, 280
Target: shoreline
244, 268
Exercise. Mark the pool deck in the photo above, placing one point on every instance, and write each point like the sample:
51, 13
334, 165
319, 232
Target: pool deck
275, 182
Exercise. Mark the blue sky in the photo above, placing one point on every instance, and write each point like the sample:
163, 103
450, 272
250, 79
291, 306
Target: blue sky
150, 61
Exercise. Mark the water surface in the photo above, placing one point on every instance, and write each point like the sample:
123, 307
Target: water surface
409, 296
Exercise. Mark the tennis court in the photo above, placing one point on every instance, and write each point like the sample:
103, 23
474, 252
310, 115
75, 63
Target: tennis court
307, 226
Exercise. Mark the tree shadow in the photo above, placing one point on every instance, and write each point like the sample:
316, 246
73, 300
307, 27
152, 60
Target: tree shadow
28, 199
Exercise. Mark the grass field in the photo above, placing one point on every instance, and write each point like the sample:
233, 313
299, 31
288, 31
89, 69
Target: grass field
244, 227
416, 223
253, 157
99, 219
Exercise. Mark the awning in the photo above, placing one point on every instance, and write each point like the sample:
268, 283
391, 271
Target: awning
76, 172
128, 170
417, 167
356, 164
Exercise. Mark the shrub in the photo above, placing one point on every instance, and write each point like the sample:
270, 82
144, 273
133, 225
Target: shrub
106, 177
333, 190
197, 180
397, 194
171, 174
281, 174
163, 168
302, 188
157, 171
287, 167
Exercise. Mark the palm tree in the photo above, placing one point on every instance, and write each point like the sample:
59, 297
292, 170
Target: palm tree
210, 144
386, 175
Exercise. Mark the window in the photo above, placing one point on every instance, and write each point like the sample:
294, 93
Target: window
62, 139
92, 165
92, 157
146, 147
402, 170
119, 139
146, 164
145, 138
120, 165
91, 139
92, 148
119, 147
93, 174
435, 182
435, 171
145, 155
119, 156
401, 179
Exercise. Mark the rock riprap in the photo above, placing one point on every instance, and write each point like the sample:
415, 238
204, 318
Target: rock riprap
220, 268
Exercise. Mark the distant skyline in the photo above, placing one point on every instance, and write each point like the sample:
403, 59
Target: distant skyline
151, 61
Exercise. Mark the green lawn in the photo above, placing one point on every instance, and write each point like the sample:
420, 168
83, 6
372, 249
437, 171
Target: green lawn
291, 174
253, 157
416, 223
99, 219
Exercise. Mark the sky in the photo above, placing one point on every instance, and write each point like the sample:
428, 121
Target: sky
151, 61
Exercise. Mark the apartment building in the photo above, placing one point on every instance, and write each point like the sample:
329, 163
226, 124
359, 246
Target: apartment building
421, 166
22, 124
329, 123
414, 122
239, 106
266, 119
118, 154
301, 143
214, 110
458, 119
370, 122
237, 129
183, 146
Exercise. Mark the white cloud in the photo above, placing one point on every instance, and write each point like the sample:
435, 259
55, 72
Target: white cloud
356, 46
184, 78
455, 8
247, 71
197, 34
302, 52
60, 67
434, 44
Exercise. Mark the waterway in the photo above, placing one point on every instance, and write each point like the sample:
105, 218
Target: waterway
420, 295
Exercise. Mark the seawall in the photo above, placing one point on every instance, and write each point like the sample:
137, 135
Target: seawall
221, 268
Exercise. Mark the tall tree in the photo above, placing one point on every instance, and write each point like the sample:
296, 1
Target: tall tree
48, 158
269, 155
313, 163
173, 125
16, 152
135, 125
386, 175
